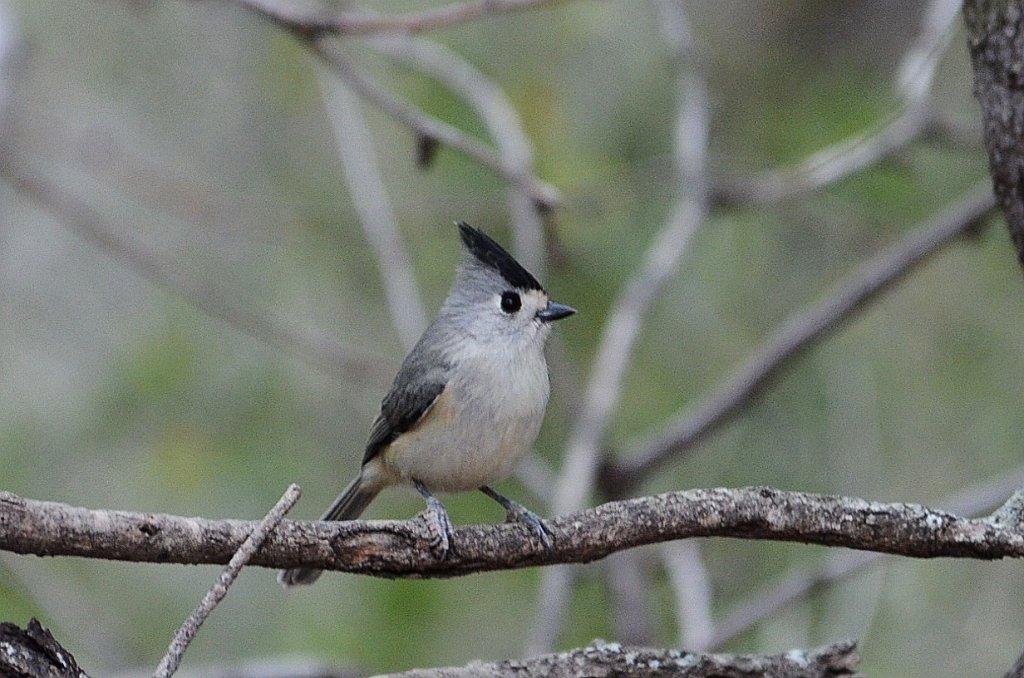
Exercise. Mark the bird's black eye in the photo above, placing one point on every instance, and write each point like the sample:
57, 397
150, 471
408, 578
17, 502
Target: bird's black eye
510, 302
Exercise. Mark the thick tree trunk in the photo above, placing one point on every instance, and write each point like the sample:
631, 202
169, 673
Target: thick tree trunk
995, 31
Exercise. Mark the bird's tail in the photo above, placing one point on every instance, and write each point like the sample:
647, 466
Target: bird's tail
349, 505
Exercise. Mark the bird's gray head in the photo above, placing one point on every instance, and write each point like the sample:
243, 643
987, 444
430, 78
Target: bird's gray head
495, 297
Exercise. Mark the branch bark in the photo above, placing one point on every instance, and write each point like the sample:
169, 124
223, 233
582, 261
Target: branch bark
34, 652
612, 659
395, 549
995, 36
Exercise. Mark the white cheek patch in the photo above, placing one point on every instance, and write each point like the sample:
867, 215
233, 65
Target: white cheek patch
534, 300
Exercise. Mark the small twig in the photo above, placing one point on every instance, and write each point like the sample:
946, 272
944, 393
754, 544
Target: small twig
11, 58
836, 162
357, 23
802, 331
352, 139
79, 216
249, 548
1012, 512
428, 126
503, 126
425, 126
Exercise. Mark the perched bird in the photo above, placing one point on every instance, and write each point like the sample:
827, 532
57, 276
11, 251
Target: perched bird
469, 398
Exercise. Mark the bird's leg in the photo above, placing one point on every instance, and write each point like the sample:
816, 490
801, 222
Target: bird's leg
437, 518
517, 513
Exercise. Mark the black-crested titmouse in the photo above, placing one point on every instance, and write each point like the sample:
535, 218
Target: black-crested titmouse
469, 399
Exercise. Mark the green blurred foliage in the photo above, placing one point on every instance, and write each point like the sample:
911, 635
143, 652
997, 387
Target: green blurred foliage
200, 132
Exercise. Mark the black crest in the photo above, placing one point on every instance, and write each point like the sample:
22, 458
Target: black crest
494, 255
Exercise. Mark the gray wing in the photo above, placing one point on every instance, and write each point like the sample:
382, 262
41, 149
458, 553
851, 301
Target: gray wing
402, 407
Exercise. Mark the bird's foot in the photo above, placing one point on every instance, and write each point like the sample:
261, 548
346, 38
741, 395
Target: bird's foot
438, 522
440, 526
517, 513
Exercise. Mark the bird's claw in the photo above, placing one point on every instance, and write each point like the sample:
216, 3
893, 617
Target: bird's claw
441, 528
517, 513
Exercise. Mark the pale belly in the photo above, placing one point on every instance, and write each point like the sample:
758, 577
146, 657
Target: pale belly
447, 462
461, 444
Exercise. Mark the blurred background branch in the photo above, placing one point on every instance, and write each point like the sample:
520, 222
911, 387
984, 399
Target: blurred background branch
799, 334
914, 79
347, 22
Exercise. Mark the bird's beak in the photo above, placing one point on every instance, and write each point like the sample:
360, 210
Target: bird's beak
555, 311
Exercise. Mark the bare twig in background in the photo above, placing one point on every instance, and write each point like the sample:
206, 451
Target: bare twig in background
980, 499
503, 126
425, 126
691, 585
836, 162
916, 71
794, 587
353, 140
79, 216
629, 600
542, 193
797, 335
10, 58
626, 316
249, 547
357, 23
537, 477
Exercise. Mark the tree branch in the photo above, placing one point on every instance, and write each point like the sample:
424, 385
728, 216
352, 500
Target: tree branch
34, 652
612, 659
995, 35
834, 163
360, 23
394, 548
354, 142
504, 127
78, 215
428, 129
793, 338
